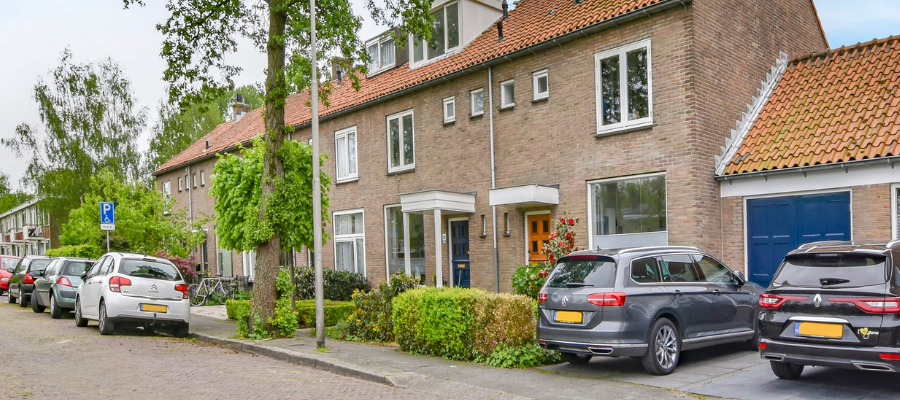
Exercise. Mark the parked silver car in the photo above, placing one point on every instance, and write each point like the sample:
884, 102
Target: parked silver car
133, 289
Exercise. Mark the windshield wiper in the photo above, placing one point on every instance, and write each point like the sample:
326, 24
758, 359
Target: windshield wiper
576, 284
832, 281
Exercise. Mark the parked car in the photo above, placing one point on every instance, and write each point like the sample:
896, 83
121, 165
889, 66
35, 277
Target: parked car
133, 289
650, 303
7, 266
56, 287
833, 304
21, 283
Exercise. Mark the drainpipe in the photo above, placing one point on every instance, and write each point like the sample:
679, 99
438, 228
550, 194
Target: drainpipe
493, 178
188, 182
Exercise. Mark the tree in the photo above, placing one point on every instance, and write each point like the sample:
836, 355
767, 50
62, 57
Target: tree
200, 33
91, 123
145, 221
8, 197
177, 128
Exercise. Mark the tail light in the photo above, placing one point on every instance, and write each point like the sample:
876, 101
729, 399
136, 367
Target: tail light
183, 289
63, 281
889, 356
542, 297
116, 283
607, 299
877, 305
773, 301
28, 279
762, 346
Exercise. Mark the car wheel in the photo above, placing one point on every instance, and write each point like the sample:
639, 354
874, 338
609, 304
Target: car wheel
575, 359
9, 298
786, 370
22, 301
55, 311
36, 307
664, 351
80, 321
181, 330
107, 327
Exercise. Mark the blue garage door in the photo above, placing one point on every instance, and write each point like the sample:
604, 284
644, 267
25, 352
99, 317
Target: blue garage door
778, 225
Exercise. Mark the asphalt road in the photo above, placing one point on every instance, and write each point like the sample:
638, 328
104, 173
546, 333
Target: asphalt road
43, 358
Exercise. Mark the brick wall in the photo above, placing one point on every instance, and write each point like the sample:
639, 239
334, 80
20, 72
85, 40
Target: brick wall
871, 210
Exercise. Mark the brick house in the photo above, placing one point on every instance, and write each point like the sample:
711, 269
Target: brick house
454, 158
814, 157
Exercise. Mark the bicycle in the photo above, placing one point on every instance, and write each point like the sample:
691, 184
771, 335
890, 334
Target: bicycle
218, 288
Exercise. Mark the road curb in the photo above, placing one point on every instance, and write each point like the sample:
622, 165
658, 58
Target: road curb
293, 357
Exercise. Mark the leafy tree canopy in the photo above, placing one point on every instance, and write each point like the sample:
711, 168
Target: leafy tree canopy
8, 197
145, 221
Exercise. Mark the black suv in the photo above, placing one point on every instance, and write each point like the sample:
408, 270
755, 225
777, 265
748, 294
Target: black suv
21, 283
833, 304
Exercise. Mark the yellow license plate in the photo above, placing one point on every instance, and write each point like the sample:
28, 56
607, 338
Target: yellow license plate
572, 317
154, 308
821, 330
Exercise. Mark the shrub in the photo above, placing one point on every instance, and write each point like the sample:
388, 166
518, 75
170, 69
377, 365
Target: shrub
339, 285
371, 318
79, 250
283, 324
525, 356
233, 308
461, 323
337, 332
283, 283
184, 264
529, 279
285, 320
335, 312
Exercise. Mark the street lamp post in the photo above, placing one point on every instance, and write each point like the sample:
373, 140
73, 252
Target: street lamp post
317, 188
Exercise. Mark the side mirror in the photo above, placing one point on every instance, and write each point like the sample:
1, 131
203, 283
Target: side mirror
39, 272
739, 278
83, 275
11, 270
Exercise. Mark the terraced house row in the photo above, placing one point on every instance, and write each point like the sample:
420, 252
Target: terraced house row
455, 156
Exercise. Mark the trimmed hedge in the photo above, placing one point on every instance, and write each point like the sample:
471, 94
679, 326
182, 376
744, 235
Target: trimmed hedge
233, 308
335, 311
461, 324
78, 250
338, 285
371, 316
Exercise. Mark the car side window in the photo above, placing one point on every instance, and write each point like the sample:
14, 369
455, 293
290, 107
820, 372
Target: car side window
20, 266
679, 268
645, 270
712, 270
51, 268
107, 266
96, 268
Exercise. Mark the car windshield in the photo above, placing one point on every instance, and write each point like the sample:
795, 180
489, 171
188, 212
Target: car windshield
75, 268
7, 262
831, 270
597, 272
39, 264
149, 269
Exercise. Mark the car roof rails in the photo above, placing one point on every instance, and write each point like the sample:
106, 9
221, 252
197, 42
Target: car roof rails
649, 248
812, 245
892, 243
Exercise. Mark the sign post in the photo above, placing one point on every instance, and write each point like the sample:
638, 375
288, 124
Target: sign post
107, 219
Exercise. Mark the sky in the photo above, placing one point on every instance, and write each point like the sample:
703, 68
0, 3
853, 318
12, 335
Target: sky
33, 34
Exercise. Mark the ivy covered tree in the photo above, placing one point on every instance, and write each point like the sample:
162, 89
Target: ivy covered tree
198, 36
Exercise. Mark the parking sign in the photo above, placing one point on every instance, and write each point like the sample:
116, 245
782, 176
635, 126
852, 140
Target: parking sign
107, 216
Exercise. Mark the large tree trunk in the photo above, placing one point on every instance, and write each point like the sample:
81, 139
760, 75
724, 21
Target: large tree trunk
267, 254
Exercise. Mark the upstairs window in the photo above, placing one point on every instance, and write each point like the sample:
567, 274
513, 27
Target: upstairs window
345, 150
624, 95
167, 189
180, 183
507, 94
444, 35
401, 147
202, 178
381, 54
449, 110
194, 179
541, 83
477, 102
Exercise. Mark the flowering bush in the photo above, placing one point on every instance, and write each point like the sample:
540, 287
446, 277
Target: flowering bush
529, 279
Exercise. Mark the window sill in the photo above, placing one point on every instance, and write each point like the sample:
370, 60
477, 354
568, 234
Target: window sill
448, 123
402, 171
540, 100
617, 129
474, 116
507, 108
346, 180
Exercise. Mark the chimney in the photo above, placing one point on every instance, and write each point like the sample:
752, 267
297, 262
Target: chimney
239, 109
207, 144
500, 30
338, 66
506, 9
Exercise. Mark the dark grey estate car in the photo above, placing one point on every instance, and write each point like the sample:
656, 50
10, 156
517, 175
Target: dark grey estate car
649, 303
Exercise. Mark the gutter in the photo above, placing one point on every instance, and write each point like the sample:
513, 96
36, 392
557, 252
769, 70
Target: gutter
845, 165
500, 59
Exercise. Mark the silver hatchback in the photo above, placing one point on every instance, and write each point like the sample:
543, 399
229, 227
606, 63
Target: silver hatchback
133, 289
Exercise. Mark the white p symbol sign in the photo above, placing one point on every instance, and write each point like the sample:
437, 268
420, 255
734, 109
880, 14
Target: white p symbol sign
106, 212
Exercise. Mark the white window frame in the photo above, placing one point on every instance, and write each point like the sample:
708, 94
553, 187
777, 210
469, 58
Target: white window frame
202, 178
624, 124
350, 237
180, 183
407, 268
544, 73
479, 91
379, 41
194, 179
451, 101
447, 50
895, 229
399, 116
167, 189
504, 102
344, 133
590, 203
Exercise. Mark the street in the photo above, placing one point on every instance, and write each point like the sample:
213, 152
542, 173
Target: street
53, 359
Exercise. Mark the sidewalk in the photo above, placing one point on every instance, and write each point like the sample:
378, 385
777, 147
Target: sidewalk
432, 375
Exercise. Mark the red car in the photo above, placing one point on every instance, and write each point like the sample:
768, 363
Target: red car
7, 264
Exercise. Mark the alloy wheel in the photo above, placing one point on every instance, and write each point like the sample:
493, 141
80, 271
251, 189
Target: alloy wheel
666, 347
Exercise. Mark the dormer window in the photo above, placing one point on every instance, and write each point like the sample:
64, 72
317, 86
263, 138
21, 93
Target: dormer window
444, 35
381, 54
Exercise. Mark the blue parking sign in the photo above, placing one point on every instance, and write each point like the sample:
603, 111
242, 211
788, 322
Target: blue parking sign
107, 216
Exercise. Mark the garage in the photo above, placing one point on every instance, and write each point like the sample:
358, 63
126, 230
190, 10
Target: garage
777, 225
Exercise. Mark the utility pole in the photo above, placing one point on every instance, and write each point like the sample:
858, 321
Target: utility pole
316, 182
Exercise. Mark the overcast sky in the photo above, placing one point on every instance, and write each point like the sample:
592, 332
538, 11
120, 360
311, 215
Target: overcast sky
34, 33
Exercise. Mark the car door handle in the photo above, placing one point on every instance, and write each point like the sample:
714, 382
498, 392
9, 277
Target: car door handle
716, 292
677, 293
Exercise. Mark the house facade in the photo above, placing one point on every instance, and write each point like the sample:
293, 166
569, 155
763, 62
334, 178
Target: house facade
454, 158
25, 230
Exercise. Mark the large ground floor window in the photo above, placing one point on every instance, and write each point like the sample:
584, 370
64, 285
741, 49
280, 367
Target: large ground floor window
405, 242
350, 242
627, 212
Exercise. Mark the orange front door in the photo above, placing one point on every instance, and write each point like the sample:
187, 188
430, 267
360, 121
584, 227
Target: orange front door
538, 233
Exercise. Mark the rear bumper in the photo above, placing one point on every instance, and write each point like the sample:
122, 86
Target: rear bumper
862, 358
596, 349
65, 296
127, 309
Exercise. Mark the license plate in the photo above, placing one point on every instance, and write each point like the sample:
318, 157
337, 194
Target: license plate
570, 317
154, 308
818, 329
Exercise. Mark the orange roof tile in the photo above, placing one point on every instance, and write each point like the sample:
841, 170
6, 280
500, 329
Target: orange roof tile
836, 106
529, 23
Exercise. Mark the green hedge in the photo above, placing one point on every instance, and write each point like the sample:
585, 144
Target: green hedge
462, 324
233, 308
338, 285
80, 250
371, 316
335, 311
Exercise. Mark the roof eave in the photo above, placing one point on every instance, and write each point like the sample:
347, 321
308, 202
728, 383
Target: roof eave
809, 168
